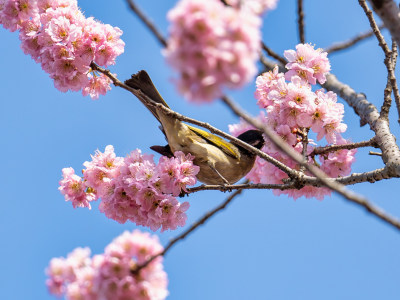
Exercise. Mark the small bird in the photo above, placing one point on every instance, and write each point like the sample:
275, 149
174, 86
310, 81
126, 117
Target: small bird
220, 162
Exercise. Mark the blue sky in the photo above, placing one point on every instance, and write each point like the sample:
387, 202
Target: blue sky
262, 246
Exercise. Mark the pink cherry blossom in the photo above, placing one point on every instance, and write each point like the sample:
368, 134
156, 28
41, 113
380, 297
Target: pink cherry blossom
293, 107
338, 163
308, 63
74, 189
102, 169
266, 83
109, 275
96, 86
212, 46
328, 117
59, 37
13, 13
134, 188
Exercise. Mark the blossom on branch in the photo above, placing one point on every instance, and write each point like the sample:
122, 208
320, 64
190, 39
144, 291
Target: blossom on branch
110, 275
294, 110
134, 188
57, 35
212, 46
74, 189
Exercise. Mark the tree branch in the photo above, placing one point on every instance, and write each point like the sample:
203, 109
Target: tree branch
333, 148
304, 140
244, 186
370, 115
388, 57
184, 234
374, 153
300, 21
321, 176
146, 21
347, 44
273, 54
388, 11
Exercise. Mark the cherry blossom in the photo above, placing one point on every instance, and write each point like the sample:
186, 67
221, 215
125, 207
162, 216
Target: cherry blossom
212, 46
293, 108
64, 42
133, 188
109, 275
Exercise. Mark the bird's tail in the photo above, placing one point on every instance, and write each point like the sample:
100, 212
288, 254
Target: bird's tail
142, 81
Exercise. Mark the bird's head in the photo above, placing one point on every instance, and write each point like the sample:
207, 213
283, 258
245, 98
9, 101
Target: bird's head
253, 137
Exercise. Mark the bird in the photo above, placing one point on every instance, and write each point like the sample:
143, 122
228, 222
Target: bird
220, 162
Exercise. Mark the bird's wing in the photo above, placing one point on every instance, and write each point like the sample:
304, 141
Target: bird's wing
228, 148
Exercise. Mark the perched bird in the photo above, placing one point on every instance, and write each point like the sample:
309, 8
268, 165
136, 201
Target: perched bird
220, 162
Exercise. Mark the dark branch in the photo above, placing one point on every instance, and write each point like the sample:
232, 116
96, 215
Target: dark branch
300, 21
147, 22
388, 58
347, 44
184, 234
333, 148
274, 55
244, 186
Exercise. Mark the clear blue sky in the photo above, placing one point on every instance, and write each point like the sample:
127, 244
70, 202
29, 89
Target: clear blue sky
262, 246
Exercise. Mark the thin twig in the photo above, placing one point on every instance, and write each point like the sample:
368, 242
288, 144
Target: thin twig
388, 11
300, 21
244, 186
387, 100
147, 22
264, 61
388, 55
347, 44
394, 54
375, 27
273, 54
304, 140
333, 148
184, 234
391, 86
375, 153
393, 79
369, 176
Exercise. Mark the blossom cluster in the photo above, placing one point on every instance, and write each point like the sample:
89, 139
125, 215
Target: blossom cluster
109, 275
256, 6
57, 35
295, 110
133, 188
212, 46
